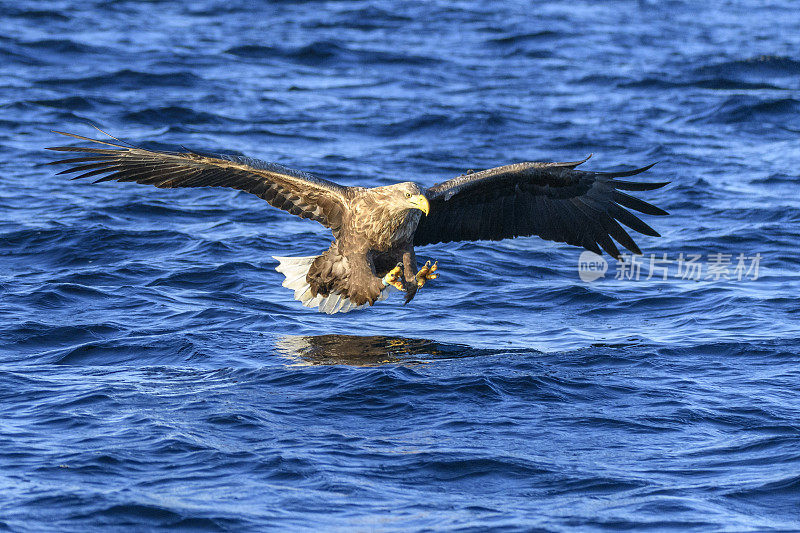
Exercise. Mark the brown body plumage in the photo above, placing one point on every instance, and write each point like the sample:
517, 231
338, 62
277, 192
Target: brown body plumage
376, 229
377, 233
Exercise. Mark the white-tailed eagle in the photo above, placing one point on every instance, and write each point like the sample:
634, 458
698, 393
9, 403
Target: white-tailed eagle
376, 229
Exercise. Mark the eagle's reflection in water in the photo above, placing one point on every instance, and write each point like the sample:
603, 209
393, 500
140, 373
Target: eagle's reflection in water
366, 351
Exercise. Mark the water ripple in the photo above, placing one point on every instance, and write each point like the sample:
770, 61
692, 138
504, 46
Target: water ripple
155, 374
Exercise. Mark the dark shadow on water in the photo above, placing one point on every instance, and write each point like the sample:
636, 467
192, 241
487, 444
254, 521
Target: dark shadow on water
370, 350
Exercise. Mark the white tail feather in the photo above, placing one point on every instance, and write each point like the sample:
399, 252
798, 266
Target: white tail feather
296, 269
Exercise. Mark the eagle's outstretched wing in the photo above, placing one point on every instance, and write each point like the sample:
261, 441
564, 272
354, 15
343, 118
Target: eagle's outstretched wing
551, 200
297, 192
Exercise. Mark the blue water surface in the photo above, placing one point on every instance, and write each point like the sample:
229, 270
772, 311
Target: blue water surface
154, 373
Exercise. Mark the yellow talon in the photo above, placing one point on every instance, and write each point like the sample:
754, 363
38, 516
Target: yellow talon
427, 273
393, 277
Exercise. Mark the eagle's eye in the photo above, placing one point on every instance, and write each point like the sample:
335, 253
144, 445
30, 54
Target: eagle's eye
408, 195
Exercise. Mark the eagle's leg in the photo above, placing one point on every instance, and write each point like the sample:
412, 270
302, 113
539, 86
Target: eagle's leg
426, 273
395, 277
409, 278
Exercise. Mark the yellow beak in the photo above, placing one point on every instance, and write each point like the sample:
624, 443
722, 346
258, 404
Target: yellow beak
420, 202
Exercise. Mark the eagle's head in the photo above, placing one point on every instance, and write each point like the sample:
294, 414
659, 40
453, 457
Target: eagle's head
408, 195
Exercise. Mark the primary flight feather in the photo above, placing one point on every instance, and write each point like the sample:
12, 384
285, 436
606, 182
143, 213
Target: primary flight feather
376, 229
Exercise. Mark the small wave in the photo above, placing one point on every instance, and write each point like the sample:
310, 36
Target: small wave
714, 83
756, 67
366, 18
447, 468
129, 79
752, 110
597, 485
87, 399
719, 350
775, 179
43, 15
787, 486
324, 52
153, 515
64, 295
20, 57
142, 351
254, 51
522, 38
238, 421
226, 277
436, 122
80, 244
534, 45
60, 46
165, 116
41, 336
72, 103
751, 451
731, 85
761, 73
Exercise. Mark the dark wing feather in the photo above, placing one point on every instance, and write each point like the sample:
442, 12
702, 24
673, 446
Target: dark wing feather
297, 192
551, 200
